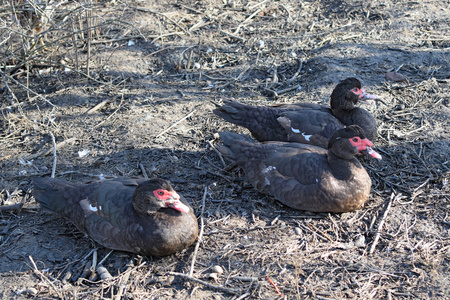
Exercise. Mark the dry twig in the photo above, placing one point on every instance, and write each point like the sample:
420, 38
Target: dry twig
216, 287
233, 35
247, 20
110, 116
26, 88
218, 154
300, 66
176, 123
163, 15
200, 236
44, 278
14, 207
46, 152
380, 225
54, 155
123, 282
97, 107
235, 79
144, 173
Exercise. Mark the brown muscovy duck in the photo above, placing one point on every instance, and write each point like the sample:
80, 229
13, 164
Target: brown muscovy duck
306, 177
306, 123
135, 215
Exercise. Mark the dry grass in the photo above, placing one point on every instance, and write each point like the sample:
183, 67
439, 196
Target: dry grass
145, 109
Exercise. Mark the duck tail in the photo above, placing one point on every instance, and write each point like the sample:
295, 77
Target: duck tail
50, 193
234, 112
231, 140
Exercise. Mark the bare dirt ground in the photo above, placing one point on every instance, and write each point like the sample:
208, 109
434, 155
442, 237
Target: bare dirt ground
156, 68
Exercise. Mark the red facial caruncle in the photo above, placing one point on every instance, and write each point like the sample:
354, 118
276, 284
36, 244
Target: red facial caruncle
162, 194
171, 199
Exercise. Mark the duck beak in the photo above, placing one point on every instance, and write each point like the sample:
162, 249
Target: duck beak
364, 96
175, 203
369, 151
365, 147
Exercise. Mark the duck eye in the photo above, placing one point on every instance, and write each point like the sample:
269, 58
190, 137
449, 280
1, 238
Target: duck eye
355, 90
355, 139
161, 194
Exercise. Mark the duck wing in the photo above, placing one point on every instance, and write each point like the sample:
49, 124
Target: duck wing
309, 126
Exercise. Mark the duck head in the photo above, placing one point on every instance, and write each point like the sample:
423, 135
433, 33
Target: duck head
351, 140
152, 195
349, 92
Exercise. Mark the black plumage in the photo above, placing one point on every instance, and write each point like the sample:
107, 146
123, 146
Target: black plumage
305, 122
304, 176
134, 215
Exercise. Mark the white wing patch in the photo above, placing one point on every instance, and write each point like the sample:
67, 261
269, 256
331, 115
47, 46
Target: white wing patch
306, 136
89, 209
265, 170
269, 168
93, 208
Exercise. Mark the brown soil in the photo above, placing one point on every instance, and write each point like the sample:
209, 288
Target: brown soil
159, 62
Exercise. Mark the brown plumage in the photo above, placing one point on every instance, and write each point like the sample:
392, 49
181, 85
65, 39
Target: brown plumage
306, 123
304, 176
134, 215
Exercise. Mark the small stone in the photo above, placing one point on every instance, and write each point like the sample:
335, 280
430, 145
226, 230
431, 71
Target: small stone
83, 153
360, 242
298, 231
217, 269
400, 106
213, 276
394, 76
30, 291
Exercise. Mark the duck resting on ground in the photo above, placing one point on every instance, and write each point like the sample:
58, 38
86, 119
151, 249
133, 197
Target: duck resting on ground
135, 215
306, 177
306, 123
